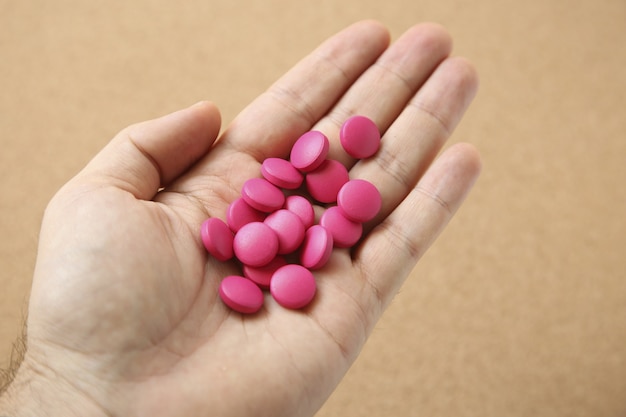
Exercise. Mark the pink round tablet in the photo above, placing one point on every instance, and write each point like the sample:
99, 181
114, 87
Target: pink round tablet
325, 182
262, 195
255, 244
293, 286
316, 248
289, 229
240, 213
302, 208
241, 294
360, 137
345, 232
217, 238
359, 200
309, 151
262, 275
281, 173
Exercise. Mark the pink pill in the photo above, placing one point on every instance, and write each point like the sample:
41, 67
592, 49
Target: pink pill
359, 200
302, 208
309, 151
239, 213
325, 182
360, 137
293, 286
281, 173
289, 229
345, 232
316, 248
255, 244
241, 294
217, 238
262, 195
262, 275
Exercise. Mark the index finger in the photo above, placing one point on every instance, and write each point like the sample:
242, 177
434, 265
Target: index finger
293, 104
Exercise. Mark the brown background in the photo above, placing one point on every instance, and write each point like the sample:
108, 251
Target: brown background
519, 308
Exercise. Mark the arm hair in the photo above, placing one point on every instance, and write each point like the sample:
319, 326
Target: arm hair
15, 360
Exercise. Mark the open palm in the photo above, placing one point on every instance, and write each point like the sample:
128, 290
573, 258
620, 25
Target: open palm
125, 318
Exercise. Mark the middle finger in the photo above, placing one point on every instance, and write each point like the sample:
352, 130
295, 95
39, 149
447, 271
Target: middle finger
385, 88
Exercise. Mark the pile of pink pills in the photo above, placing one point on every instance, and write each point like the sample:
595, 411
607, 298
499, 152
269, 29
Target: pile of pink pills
272, 231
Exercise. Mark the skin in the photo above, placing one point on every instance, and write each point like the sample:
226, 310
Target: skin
124, 316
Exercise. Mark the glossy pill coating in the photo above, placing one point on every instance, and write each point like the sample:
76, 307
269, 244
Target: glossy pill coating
316, 248
240, 213
359, 200
309, 151
262, 195
302, 208
262, 275
293, 286
345, 232
217, 238
241, 294
359, 137
281, 173
289, 229
255, 244
325, 182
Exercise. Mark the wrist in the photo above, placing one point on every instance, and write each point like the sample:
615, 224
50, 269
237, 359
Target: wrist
38, 390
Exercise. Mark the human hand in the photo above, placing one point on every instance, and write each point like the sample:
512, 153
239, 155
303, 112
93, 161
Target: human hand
125, 317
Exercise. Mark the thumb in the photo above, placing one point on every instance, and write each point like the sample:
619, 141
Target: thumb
148, 155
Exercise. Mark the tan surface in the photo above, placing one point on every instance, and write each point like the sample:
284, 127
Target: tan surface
519, 308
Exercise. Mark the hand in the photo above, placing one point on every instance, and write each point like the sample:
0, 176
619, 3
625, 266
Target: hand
124, 316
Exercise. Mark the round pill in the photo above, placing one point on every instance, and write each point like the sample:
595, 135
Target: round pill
255, 244
262, 275
309, 151
345, 232
293, 286
316, 248
325, 182
262, 195
302, 208
240, 213
360, 137
289, 229
281, 173
217, 238
359, 200
241, 294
